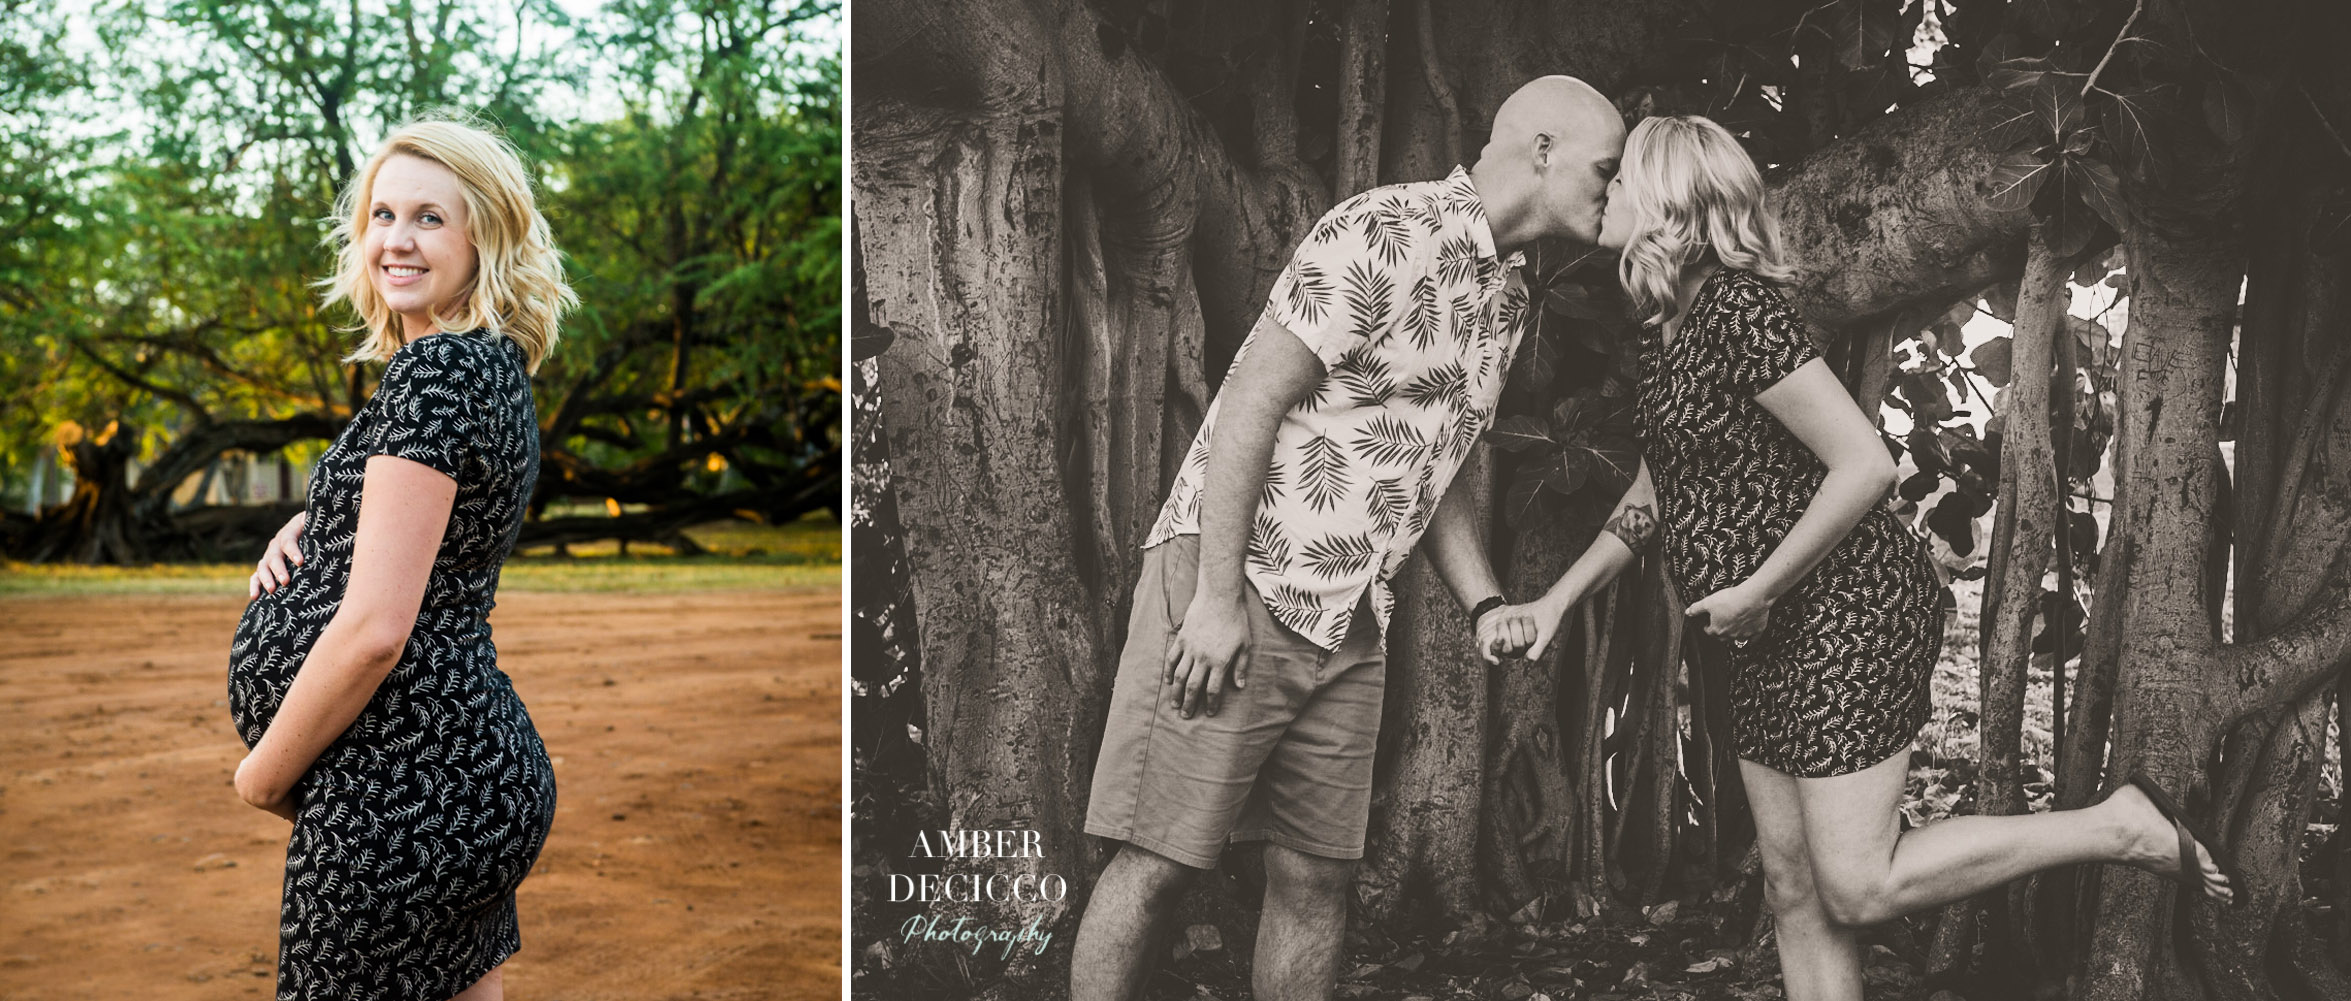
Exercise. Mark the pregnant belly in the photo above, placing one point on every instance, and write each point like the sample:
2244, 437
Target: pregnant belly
275, 633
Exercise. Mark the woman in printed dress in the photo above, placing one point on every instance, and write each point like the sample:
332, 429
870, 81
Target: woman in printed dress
1765, 482
362, 676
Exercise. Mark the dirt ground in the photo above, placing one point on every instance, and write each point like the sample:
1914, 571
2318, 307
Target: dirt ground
696, 847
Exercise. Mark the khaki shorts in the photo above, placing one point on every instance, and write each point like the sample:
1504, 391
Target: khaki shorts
1286, 760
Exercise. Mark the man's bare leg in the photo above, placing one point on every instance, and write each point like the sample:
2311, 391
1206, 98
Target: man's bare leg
1303, 925
1112, 953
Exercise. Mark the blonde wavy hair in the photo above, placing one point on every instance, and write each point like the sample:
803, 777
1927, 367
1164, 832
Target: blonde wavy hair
518, 290
1695, 196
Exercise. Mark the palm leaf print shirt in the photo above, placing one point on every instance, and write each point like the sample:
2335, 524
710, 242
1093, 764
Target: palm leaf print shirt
1400, 292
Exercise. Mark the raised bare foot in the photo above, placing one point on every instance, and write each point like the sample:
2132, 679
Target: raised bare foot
2152, 843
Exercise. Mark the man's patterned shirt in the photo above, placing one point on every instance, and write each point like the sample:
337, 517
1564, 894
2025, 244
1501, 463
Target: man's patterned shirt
1400, 292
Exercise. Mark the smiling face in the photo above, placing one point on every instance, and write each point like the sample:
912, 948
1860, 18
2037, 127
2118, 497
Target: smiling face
416, 251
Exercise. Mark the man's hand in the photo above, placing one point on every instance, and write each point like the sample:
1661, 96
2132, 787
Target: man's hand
1213, 644
1736, 612
1516, 630
283, 548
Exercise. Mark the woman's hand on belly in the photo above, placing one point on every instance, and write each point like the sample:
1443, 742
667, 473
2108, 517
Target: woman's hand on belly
1740, 611
283, 548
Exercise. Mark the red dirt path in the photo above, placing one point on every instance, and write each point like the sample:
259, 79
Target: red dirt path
695, 854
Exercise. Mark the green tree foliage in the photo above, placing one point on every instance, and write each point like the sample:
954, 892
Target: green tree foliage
173, 164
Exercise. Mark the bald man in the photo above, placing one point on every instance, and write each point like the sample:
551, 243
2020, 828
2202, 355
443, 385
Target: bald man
1247, 704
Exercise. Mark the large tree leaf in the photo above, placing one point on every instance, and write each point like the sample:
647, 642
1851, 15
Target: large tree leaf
1570, 299
2018, 74
2057, 106
2228, 110
2000, 49
1992, 359
2000, 301
1518, 432
2016, 179
1950, 519
1867, 30
2130, 126
2095, 182
1523, 504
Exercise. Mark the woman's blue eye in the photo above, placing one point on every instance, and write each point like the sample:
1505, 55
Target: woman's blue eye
430, 218
381, 214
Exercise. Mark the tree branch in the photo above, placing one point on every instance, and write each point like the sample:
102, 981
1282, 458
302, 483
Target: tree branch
1432, 71
1363, 89
1895, 216
181, 397
2119, 37
194, 448
2023, 528
2286, 666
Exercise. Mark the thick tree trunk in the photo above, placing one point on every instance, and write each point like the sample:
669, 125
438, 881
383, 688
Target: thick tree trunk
1532, 804
2022, 531
113, 519
2183, 307
2293, 523
96, 524
1432, 779
968, 208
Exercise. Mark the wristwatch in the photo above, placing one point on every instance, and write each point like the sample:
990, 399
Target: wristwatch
1483, 607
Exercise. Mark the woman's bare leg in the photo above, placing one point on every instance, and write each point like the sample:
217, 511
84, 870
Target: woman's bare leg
492, 987
1820, 960
1868, 870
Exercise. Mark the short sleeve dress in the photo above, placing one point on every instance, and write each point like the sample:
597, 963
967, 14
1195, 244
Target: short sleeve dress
1838, 680
415, 826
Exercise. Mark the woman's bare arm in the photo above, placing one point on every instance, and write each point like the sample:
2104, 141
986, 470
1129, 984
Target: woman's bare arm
404, 509
1529, 627
1816, 409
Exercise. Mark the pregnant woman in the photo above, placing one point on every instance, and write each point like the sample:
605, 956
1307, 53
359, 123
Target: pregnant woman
1768, 481
362, 676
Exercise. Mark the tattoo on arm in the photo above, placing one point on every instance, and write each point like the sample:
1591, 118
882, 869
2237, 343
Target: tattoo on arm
1635, 524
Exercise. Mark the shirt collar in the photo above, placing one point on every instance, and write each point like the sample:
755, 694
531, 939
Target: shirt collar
1481, 230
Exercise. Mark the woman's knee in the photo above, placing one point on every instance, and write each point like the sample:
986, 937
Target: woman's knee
1787, 870
1790, 892
1854, 902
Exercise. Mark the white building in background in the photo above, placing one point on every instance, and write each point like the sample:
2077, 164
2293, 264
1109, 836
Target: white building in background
234, 478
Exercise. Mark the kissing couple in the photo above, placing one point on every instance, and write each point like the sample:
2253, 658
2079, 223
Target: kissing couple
1247, 701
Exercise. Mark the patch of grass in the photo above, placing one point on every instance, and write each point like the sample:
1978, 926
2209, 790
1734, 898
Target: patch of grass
805, 554
667, 573
45, 579
815, 539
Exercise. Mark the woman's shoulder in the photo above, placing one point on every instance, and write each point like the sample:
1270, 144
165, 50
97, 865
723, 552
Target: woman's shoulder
455, 353
1749, 296
475, 368
1746, 285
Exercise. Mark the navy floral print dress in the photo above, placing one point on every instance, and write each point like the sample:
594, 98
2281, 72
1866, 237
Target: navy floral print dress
1838, 679
415, 826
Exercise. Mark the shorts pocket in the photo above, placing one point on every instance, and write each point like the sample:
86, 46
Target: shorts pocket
1179, 576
